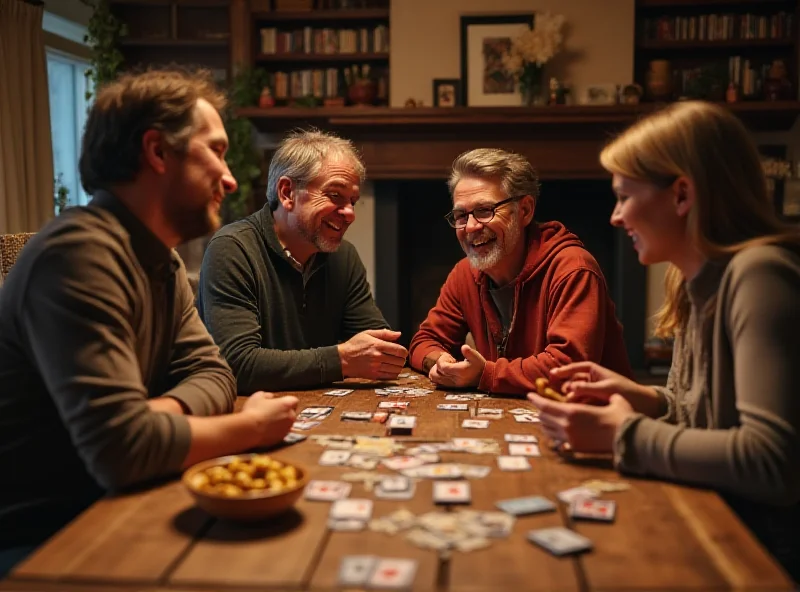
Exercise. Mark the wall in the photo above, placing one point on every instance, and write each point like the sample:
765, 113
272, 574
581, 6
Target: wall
425, 35
73, 10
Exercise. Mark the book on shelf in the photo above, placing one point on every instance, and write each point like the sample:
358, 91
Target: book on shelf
275, 41
719, 27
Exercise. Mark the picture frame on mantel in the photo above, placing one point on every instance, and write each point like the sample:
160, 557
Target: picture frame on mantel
484, 40
447, 92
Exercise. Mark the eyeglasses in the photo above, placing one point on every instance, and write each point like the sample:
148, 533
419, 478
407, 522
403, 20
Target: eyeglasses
483, 214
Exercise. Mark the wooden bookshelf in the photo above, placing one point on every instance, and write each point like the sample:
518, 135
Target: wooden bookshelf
316, 16
322, 57
705, 46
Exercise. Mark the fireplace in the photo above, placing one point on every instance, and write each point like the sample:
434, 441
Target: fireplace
416, 249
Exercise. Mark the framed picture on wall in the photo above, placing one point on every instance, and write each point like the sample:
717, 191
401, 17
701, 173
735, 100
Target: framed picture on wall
484, 42
446, 92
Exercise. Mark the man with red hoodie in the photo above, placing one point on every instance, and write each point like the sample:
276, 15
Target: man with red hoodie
530, 294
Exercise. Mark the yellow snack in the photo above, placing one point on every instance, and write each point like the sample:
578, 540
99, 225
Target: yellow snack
541, 384
554, 395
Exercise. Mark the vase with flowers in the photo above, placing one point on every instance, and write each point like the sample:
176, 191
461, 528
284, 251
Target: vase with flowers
530, 52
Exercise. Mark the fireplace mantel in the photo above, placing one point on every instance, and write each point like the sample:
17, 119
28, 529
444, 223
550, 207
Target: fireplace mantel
562, 142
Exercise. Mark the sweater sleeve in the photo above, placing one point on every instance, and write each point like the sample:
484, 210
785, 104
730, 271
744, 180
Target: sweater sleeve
757, 458
360, 313
229, 306
575, 332
77, 319
445, 327
202, 379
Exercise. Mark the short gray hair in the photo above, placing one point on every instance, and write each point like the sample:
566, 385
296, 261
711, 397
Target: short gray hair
513, 171
300, 156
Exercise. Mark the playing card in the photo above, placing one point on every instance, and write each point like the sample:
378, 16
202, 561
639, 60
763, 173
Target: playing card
338, 392
356, 415
440, 471
452, 407
593, 509
451, 492
314, 413
293, 438
365, 462
404, 494
393, 574
490, 413
398, 463
498, 524
522, 411
559, 540
401, 424
570, 495
332, 458
346, 524
304, 425
526, 418
523, 449
354, 570
475, 423
326, 491
393, 405
379, 417
513, 463
521, 506
351, 509
527, 438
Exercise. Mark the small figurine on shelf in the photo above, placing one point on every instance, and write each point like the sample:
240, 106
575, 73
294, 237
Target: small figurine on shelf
558, 94
266, 100
777, 86
361, 89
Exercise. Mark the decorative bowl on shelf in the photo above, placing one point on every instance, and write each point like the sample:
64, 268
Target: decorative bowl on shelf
362, 92
245, 487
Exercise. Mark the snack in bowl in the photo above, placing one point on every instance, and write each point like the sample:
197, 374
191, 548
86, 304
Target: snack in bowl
245, 486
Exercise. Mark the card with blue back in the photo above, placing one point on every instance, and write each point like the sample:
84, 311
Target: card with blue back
526, 505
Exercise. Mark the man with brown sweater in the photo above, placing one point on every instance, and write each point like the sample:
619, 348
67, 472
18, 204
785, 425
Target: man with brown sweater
107, 371
530, 294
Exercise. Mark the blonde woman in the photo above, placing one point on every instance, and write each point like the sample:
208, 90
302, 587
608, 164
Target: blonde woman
691, 191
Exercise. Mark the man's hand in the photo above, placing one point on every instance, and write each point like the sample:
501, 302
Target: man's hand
586, 428
273, 416
466, 373
371, 354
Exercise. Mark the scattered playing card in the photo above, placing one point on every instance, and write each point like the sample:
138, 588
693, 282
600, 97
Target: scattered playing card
570, 495
346, 524
475, 471
441, 471
559, 540
395, 483
398, 463
475, 423
304, 425
593, 509
523, 411
401, 424
310, 413
490, 413
338, 392
526, 418
365, 462
326, 491
393, 574
356, 416
513, 463
379, 417
452, 407
393, 405
527, 438
332, 458
293, 438
523, 449
499, 524
356, 569
351, 509
451, 492
521, 506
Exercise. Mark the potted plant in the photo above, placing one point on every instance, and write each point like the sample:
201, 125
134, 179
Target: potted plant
104, 33
60, 194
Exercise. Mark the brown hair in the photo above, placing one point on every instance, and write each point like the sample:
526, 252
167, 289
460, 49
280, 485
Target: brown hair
513, 171
160, 99
708, 145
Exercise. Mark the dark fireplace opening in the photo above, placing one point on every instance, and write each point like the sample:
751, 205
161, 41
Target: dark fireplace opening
416, 249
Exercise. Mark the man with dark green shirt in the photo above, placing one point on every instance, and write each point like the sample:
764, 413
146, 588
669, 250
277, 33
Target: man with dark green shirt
283, 294
107, 371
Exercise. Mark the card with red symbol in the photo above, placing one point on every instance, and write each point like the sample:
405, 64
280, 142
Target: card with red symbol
451, 492
593, 509
523, 449
351, 509
393, 574
327, 491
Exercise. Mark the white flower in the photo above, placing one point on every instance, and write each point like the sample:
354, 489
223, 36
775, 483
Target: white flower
537, 45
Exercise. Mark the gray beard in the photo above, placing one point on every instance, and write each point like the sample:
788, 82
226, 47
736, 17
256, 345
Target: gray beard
497, 251
323, 245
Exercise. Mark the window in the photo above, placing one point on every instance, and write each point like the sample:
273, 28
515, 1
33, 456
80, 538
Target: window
68, 105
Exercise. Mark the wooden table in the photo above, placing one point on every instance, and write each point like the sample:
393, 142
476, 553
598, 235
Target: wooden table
664, 536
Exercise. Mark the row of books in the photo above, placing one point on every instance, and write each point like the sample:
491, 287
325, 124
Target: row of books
713, 27
747, 76
322, 84
325, 41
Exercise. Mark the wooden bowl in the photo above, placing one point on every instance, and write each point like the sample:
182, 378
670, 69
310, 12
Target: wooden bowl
251, 505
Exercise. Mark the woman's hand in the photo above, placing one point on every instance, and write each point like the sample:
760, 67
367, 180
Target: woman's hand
585, 428
590, 383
